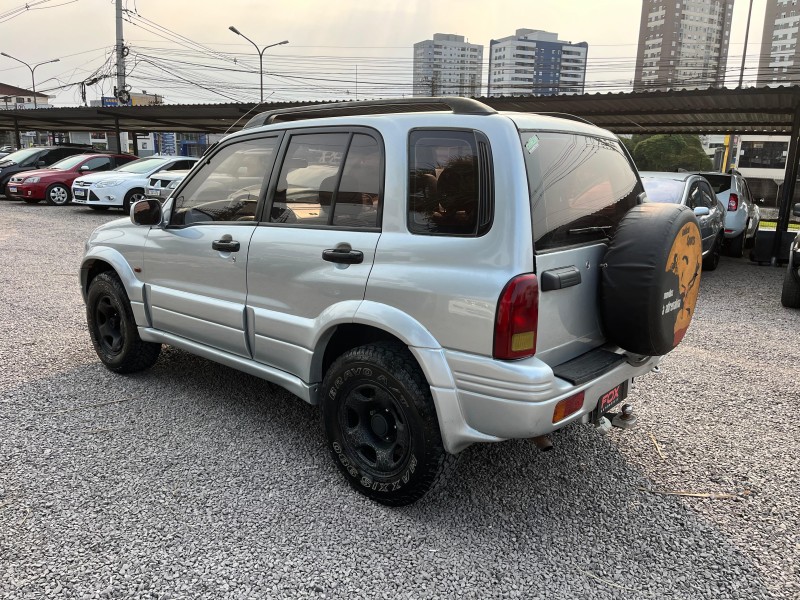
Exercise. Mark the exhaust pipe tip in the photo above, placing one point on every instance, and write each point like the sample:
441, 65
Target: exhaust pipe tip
543, 443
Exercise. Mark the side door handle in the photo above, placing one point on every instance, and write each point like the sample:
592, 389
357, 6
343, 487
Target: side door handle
226, 244
344, 254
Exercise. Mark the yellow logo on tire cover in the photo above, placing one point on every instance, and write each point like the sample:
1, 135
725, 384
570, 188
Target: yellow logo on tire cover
685, 261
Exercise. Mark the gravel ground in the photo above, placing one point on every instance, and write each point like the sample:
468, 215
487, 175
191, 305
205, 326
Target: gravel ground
192, 480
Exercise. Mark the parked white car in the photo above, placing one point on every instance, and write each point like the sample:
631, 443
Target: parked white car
742, 216
124, 186
161, 184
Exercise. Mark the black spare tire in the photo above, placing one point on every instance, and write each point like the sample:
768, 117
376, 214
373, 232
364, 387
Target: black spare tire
651, 277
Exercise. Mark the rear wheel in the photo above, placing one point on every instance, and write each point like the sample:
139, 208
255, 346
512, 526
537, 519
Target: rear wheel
381, 424
57, 195
112, 327
711, 260
790, 295
736, 245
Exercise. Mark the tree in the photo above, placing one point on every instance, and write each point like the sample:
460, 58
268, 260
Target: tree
670, 153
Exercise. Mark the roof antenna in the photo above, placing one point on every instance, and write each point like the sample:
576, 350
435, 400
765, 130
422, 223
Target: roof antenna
264, 101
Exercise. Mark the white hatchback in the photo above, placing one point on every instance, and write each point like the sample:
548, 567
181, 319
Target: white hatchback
124, 186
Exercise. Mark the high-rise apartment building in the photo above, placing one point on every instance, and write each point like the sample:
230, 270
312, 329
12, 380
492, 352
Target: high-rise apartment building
447, 66
779, 52
682, 44
533, 62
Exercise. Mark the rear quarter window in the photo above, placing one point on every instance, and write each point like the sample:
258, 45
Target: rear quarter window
580, 187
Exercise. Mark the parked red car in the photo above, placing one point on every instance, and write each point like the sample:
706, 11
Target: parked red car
53, 184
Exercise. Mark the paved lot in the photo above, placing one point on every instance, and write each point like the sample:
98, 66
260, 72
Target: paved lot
192, 480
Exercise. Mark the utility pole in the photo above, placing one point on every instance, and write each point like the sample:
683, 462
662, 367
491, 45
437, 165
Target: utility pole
121, 91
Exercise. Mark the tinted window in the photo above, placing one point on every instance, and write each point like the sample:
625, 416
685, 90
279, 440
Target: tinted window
705, 196
101, 163
69, 162
307, 179
663, 190
720, 183
580, 187
444, 183
144, 165
357, 199
228, 185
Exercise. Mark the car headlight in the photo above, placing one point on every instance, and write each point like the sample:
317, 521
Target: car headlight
108, 183
31, 180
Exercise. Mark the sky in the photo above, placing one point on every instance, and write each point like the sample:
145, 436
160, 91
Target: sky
342, 49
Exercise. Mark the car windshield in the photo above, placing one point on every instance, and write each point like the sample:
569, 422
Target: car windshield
143, 165
69, 162
720, 183
663, 190
20, 156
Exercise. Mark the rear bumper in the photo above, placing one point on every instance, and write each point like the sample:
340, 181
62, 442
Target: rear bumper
494, 400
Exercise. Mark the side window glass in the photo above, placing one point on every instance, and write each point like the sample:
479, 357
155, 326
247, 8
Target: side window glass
307, 180
443, 183
99, 164
358, 197
228, 186
708, 197
694, 196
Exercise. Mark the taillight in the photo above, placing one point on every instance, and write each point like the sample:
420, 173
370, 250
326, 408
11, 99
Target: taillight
733, 202
567, 407
517, 319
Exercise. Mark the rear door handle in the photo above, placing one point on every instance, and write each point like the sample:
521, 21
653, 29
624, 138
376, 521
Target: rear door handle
343, 254
226, 244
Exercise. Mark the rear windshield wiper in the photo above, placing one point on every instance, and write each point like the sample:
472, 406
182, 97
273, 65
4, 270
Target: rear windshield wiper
595, 229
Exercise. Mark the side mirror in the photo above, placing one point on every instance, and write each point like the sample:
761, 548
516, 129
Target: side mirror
796, 210
146, 212
41, 163
84, 168
701, 211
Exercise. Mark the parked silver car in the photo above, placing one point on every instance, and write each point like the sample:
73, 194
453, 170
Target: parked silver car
743, 216
695, 192
790, 294
431, 279
161, 184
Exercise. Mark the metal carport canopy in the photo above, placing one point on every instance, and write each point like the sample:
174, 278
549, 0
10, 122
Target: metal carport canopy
766, 110
751, 110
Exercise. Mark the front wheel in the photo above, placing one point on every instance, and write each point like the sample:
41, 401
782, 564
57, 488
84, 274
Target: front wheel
113, 329
131, 198
381, 424
57, 195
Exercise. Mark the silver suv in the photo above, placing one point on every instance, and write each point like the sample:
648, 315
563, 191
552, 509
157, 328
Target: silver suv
431, 279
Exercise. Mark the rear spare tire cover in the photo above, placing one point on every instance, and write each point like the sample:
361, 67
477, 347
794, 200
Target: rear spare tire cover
651, 277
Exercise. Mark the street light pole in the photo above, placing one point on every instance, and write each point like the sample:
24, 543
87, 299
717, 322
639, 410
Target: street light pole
260, 55
32, 68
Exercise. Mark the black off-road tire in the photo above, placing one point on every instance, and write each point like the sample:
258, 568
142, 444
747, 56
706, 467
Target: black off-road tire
381, 425
112, 327
651, 278
790, 294
58, 195
711, 261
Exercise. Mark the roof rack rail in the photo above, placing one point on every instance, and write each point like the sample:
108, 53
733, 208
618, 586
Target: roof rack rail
566, 116
458, 105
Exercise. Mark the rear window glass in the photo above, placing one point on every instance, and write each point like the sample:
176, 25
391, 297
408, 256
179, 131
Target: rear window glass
720, 183
580, 187
663, 190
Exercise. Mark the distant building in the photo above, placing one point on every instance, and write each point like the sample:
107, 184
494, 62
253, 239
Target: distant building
12, 97
779, 51
682, 44
447, 66
533, 62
